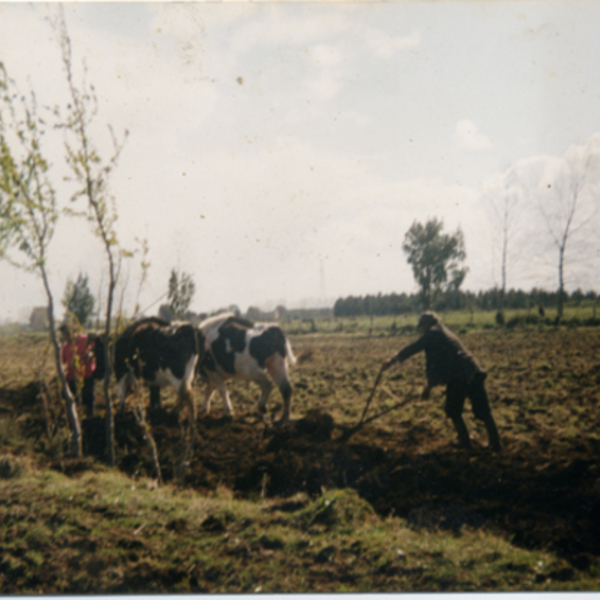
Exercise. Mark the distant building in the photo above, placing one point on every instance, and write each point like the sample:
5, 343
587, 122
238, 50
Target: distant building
282, 313
38, 320
255, 314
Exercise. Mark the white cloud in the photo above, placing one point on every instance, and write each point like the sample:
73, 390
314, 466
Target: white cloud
384, 45
323, 87
326, 55
325, 79
354, 117
468, 137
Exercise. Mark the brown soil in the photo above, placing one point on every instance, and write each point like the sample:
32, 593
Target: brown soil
539, 500
542, 491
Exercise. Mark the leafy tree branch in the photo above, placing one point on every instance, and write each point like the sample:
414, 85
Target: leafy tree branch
29, 210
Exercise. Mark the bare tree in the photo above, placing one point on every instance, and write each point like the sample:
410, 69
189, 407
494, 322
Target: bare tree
29, 210
144, 267
91, 174
566, 201
504, 198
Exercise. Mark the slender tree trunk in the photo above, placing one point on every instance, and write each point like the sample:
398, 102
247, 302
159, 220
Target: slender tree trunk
426, 291
45, 395
153, 451
75, 425
561, 283
108, 352
138, 412
504, 258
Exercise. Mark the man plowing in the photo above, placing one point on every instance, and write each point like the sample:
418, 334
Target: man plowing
449, 363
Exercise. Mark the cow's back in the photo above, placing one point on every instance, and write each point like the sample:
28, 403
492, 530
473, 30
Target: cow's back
132, 338
266, 343
232, 340
152, 344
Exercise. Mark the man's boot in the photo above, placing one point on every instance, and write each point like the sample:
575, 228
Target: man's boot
463, 435
493, 436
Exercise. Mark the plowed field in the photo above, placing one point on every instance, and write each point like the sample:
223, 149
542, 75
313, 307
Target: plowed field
543, 490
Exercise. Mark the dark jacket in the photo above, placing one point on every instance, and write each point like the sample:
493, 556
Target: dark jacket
445, 357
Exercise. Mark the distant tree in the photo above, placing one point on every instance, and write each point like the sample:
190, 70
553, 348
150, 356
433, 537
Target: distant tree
78, 299
235, 309
435, 258
567, 200
504, 198
38, 319
253, 313
180, 294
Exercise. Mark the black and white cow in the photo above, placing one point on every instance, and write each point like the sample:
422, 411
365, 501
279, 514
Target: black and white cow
160, 354
238, 348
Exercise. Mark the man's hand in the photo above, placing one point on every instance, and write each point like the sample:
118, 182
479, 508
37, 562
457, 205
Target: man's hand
388, 363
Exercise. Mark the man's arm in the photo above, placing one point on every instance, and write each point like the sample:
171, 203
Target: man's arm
406, 352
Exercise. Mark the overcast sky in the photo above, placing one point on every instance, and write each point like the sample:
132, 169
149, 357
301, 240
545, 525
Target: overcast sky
279, 152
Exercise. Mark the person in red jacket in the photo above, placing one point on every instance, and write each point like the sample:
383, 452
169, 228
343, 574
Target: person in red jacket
79, 362
449, 363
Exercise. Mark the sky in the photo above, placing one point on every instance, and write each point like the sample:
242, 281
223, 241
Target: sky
279, 151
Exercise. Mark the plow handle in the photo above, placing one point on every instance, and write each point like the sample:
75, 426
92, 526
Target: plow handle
378, 378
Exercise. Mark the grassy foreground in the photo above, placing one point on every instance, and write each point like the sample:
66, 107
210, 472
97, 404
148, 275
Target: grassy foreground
102, 532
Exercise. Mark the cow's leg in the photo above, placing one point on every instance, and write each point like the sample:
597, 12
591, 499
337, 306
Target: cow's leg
210, 390
266, 386
248, 368
286, 393
226, 399
185, 390
215, 381
186, 397
276, 366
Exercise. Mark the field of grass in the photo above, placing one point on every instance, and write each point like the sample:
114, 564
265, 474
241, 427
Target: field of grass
396, 507
456, 320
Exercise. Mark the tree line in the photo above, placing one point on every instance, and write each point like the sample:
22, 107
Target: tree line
493, 299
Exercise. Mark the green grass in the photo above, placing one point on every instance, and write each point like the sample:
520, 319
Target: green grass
105, 533
457, 320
